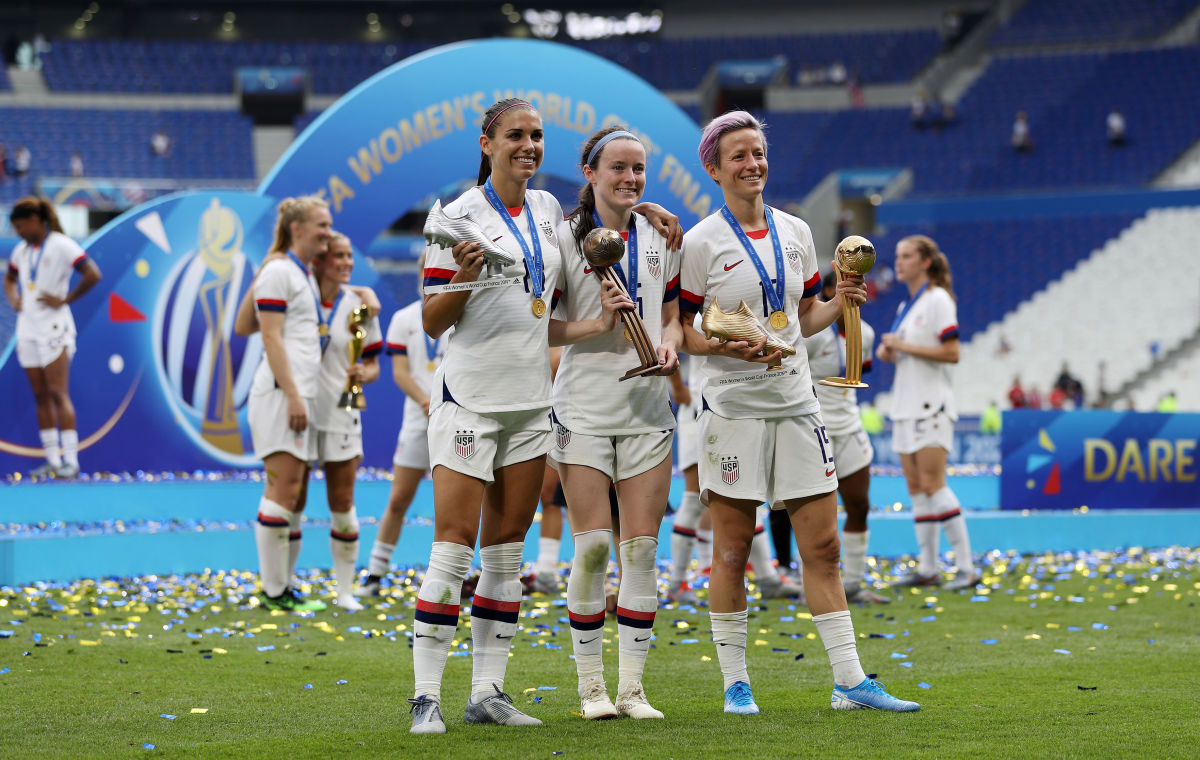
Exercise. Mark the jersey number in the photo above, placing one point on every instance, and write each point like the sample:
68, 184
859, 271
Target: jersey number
823, 441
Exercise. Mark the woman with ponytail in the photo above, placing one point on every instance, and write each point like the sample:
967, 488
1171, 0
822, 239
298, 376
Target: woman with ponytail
37, 286
923, 343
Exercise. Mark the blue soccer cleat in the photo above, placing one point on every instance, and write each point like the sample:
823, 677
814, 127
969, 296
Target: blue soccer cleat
739, 700
869, 695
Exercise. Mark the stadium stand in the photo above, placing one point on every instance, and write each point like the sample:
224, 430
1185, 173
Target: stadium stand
1054, 22
5, 84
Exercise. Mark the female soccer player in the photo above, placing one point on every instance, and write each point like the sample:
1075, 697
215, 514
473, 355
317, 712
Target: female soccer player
923, 342
610, 432
761, 431
37, 286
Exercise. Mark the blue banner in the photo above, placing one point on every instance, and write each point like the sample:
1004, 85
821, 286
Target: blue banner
1099, 459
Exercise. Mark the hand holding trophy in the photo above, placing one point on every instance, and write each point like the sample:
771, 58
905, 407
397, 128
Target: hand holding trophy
603, 248
352, 397
741, 324
445, 230
855, 256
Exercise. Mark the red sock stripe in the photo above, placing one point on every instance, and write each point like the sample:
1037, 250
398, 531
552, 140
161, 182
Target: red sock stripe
343, 536
689, 532
273, 522
576, 617
940, 517
623, 612
495, 604
295, 536
759, 529
437, 609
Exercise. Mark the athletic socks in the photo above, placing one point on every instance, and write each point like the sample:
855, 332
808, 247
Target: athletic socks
343, 545
585, 600
683, 537
494, 612
49, 438
547, 561
854, 557
729, 631
436, 617
637, 601
381, 558
295, 542
926, 526
704, 550
70, 447
949, 512
837, 634
271, 537
760, 552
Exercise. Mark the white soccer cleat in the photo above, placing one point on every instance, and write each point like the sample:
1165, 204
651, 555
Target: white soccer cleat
447, 231
349, 603
497, 708
963, 580
781, 588
858, 593
631, 701
426, 716
594, 703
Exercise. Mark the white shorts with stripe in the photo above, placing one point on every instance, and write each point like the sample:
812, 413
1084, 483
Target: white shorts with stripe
620, 457
687, 433
479, 444
268, 417
412, 446
910, 436
338, 446
852, 451
41, 352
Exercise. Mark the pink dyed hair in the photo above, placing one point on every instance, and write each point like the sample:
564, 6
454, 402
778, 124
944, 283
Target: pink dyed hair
722, 125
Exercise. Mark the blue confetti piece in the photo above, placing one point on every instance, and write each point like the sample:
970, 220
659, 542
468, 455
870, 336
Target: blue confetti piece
1100, 626
929, 618
168, 716
547, 688
37, 638
787, 619
881, 635
1062, 651
689, 641
4, 670
906, 664
191, 635
148, 745
1074, 628
6, 634
537, 700
354, 629
266, 648
308, 685
1076, 599
899, 656
1150, 641
341, 682
980, 598
989, 641
924, 685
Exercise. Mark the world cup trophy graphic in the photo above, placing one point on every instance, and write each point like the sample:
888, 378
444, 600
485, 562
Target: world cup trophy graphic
218, 241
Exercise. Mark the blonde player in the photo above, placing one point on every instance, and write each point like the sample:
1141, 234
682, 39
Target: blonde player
923, 342
762, 436
611, 432
37, 285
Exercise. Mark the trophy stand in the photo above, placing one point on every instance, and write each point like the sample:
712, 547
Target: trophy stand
602, 248
855, 255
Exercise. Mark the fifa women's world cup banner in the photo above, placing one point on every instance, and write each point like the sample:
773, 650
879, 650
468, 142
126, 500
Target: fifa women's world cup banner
1099, 459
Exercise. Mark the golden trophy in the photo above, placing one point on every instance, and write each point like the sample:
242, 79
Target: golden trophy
741, 324
855, 256
352, 398
218, 243
603, 248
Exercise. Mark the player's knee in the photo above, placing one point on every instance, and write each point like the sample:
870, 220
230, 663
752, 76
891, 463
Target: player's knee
732, 553
826, 550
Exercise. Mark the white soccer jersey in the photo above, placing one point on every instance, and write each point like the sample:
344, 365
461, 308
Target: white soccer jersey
45, 269
406, 338
827, 358
335, 361
588, 395
497, 358
923, 387
717, 268
285, 286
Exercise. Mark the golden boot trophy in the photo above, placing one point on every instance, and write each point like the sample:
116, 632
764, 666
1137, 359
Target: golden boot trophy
352, 398
741, 324
855, 256
602, 248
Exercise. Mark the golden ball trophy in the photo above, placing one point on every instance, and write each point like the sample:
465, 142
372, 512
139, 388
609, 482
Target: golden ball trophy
855, 256
352, 397
603, 248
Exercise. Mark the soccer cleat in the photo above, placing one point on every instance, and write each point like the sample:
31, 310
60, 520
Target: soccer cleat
869, 695
631, 701
289, 602
594, 703
739, 700
446, 231
43, 470
370, 587
963, 580
426, 716
468, 587
781, 588
349, 603
67, 470
545, 582
497, 708
916, 579
859, 593
683, 594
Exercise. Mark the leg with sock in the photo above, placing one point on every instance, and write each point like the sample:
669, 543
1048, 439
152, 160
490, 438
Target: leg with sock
271, 536
295, 544
70, 453
949, 513
683, 542
637, 603
50, 447
343, 545
585, 610
852, 689
434, 625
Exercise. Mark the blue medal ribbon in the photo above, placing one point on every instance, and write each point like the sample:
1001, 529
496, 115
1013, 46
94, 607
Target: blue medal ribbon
312, 285
35, 263
907, 307
631, 283
533, 261
321, 321
773, 291
431, 347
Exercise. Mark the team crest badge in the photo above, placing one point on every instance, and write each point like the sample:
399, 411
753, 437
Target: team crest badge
464, 443
729, 470
547, 229
562, 436
653, 264
793, 260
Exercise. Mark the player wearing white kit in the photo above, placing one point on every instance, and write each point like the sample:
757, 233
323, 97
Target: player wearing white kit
609, 432
923, 342
37, 285
852, 448
762, 435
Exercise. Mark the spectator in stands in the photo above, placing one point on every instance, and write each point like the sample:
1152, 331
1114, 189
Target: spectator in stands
22, 161
76, 164
919, 110
1070, 386
160, 144
1033, 398
837, 73
1168, 403
1116, 128
1016, 394
5, 164
1058, 398
989, 421
1003, 348
858, 99
1022, 140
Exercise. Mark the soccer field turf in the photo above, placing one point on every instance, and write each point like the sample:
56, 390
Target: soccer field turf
1089, 655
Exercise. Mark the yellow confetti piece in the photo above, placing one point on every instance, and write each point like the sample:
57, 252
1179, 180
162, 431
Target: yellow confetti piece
764, 630
804, 616
1053, 625
219, 650
705, 658
682, 624
529, 690
87, 643
810, 636
1170, 587
760, 642
1033, 636
269, 627
1132, 600
931, 600
939, 609
199, 710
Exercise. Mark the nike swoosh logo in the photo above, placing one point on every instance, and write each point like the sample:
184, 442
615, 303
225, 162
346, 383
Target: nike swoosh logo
734, 264
587, 270
830, 471
644, 638
503, 637
589, 641
423, 636
496, 238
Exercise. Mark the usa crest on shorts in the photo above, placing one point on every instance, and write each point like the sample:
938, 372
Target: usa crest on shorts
464, 443
729, 470
562, 436
653, 263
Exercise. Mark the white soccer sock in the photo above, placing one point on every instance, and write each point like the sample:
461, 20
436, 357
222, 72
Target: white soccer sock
729, 634
837, 634
343, 545
946, 506
49, 438
271, 537
585, 600
436, 618
547, 561
854, 557
381, 558
704, 549
926, 526
683, 536
70, 447
495, 609
760, 552
295, 543
637, 601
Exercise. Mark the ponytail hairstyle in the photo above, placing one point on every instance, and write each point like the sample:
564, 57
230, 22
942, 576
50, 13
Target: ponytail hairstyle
491, 117
939, 265
42, 208
582, 219
293, 210
732, 121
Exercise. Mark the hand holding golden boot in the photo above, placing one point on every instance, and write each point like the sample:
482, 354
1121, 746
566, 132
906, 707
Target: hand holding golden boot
855, 256
741, 324
603, 248
352, 398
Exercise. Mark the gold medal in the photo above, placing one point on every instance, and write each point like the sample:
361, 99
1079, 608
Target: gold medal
31, 286
539, 308
431, 365
323, 330
779, 320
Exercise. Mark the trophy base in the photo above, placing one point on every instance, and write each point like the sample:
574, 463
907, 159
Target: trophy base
841, 382
350, 403
641, 371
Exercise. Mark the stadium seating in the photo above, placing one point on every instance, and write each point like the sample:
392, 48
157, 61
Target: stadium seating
5, 85
1055, 22
1183, 379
